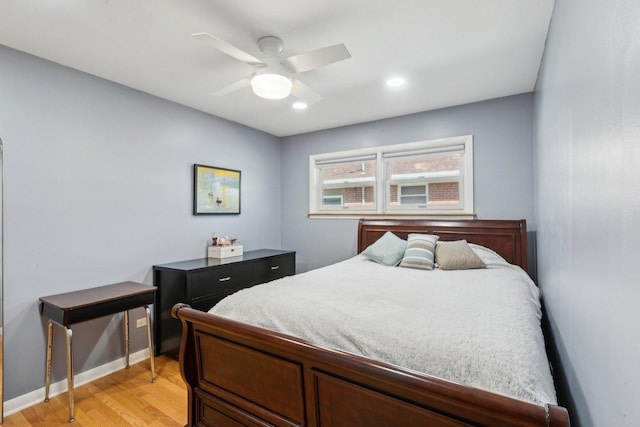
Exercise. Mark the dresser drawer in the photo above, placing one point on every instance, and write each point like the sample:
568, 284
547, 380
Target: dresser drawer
205, 303
222, 280
272, 268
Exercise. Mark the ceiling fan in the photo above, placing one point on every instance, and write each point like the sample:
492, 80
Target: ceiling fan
273, 77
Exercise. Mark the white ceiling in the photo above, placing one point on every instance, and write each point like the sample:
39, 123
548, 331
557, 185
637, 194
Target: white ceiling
451, 51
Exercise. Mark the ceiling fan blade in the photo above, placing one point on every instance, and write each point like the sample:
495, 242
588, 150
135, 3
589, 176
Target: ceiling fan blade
305, 93
228, 48
316, 58
233, 87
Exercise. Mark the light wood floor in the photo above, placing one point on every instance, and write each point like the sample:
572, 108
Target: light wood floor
124, 398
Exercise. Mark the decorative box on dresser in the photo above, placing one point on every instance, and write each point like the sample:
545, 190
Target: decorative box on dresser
203, 282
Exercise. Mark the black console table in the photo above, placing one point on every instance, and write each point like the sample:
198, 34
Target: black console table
74, 307
203, 282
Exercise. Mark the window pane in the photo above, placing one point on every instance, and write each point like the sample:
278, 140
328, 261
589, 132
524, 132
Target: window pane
409, 195
351, 173
413, 200
360, 196
425, 167
348, 185
413, 190
332, 200
444, 193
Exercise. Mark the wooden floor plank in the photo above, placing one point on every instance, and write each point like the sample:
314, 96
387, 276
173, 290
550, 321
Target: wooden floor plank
131, 401
124, 398
109, 404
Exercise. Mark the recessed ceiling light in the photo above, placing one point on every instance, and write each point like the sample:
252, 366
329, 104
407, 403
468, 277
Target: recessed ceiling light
396, 82
299, 105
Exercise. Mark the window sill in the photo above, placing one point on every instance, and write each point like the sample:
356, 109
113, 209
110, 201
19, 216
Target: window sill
356, 215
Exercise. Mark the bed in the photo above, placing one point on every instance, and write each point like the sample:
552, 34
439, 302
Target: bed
241, 374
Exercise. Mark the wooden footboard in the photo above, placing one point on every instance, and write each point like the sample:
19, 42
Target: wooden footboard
237, 374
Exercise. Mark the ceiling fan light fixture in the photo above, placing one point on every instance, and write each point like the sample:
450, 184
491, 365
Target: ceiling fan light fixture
396, 82
271, 86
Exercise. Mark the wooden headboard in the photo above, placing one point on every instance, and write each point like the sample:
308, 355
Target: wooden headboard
506, 237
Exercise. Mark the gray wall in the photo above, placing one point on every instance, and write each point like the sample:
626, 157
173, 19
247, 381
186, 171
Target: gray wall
587, 197
503, 177
98, 188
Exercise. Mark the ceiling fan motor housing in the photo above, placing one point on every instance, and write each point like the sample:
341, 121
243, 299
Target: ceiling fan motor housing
271, 45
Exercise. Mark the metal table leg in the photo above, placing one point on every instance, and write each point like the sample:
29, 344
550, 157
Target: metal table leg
69, 335
47, 378
150, 339
126, 338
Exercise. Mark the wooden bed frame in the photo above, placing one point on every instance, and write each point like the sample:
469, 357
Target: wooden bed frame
238, 374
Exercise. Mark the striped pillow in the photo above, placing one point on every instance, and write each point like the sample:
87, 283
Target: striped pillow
420, 251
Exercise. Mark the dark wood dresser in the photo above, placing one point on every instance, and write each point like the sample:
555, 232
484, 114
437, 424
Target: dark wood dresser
203, 282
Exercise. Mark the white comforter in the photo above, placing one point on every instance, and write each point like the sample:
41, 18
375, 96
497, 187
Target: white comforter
476, 327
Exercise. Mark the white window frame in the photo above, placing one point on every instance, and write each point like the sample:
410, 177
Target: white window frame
382, 182
341, 183
425, 185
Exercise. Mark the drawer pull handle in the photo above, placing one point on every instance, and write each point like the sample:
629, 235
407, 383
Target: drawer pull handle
224, 279
275, 267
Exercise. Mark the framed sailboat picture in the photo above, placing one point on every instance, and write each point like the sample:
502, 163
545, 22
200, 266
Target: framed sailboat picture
216, 191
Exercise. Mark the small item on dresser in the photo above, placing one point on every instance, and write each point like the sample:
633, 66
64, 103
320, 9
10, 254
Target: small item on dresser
227, 251
214, 239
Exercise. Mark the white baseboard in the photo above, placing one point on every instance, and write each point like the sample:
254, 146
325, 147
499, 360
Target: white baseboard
19, 403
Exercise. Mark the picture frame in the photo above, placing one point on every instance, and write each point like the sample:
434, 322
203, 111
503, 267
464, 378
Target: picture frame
216, 191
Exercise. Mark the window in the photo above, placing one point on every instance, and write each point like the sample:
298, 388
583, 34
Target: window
426, 177
347, 183
409, 194
425, 180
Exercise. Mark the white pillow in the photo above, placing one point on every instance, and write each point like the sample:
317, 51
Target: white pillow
488, 256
